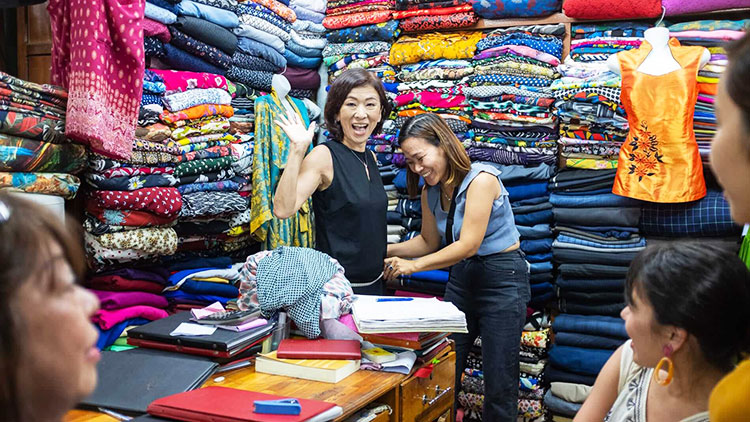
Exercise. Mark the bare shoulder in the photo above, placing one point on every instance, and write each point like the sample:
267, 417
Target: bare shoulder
319, 162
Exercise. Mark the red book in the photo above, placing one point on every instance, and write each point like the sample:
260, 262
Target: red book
221, 404
293, 348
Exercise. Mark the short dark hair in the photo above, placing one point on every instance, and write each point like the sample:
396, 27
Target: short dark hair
737, 74
703, 288
24, 235
433, 129
340, 89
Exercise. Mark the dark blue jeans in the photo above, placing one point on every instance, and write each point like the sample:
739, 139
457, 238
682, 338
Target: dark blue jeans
493, 292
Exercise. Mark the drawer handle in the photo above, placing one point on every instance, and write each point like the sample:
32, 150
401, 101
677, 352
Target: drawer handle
438, 394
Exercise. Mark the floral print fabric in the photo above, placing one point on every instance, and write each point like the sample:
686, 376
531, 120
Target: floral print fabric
165, 202
59, 184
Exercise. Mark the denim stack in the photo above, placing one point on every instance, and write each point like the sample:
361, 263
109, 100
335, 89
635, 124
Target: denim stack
597, 237
582, 346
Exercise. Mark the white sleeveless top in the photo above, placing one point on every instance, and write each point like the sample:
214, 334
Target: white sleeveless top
632, 391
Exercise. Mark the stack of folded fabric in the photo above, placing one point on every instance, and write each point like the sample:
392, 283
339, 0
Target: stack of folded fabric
425, 15
127, 297
513, 69
532, 382
593, 123
582, 346
597, 237
197, 283
198, 35
713, 35
263, 34
360, 34
36, 157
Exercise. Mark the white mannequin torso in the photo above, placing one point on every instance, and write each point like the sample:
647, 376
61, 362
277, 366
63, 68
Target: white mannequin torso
659, 60
281, 86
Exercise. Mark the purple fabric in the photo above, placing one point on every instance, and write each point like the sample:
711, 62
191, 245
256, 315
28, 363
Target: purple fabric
302, 78
107, 319
679, 7
119, 300
157, 275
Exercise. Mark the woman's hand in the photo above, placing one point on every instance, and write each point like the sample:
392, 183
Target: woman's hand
396, 266
299, 136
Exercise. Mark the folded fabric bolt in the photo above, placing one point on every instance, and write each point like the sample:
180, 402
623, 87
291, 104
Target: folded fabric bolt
303, 51
110, 300
182, 60
159, 14
560, 406
197, 112
587, 341
285, 12
27, 155
252, 78
212, 14
195, 97
309, 15
515, 8
177, 80
264, 51
385, 31
594, 325
147, 239
59, 184
152, 28
579, 360
249, 32
303, 62
302, 78
210, 54
208, 32
106, 319
570, 392
164, 202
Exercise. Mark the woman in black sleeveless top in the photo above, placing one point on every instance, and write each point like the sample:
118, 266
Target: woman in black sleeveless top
349, 200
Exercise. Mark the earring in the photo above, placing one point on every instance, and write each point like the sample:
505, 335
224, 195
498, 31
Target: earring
666, 360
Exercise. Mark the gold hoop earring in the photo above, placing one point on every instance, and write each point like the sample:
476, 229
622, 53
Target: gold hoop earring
670, 371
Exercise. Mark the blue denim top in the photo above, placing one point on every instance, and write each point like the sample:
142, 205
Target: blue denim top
501, 229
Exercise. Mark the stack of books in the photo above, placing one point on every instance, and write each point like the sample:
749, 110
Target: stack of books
426, 346
317, 360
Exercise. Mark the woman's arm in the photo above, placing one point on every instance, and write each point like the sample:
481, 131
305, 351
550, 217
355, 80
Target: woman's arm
301, 175
604, 393
479, 198
427, 242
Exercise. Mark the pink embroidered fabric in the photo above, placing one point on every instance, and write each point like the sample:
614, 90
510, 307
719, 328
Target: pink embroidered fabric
98, 56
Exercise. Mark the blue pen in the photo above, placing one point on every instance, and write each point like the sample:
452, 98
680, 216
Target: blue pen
393, 299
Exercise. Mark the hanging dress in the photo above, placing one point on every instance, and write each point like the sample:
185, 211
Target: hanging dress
660, 161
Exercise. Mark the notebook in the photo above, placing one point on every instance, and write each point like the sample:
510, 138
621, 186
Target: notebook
220, 340
293, 348
221, 404
130, 380
331, 371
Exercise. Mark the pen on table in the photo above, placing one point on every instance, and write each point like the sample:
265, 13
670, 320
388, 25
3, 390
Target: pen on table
393, 299
118, 416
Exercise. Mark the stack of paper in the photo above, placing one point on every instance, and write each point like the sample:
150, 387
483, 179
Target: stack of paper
414, 315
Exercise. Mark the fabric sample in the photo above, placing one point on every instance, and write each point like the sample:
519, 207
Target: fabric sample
208, 32
26, 155
59, 184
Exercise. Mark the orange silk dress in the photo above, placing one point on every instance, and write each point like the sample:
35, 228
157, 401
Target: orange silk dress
660, 161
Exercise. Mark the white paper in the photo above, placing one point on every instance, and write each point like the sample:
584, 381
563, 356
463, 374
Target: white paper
208, 310
402, 365
188, 329
417, 315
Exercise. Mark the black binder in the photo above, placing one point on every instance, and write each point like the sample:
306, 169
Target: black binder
130, 380
222, 340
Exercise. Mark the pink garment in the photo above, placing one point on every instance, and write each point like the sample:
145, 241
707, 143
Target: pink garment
118, 300
681, 7
720, 34
608, 41
107, 319
97, 55
180, 80
431, 99
152, 28
520, 50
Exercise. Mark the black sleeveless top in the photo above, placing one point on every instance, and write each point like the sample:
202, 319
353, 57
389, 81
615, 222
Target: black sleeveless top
350, 215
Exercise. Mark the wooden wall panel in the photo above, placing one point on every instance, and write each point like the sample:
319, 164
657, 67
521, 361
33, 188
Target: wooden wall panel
34, 43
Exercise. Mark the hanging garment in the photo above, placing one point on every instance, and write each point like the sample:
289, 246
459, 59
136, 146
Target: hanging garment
271, 151
660, 161
98, 56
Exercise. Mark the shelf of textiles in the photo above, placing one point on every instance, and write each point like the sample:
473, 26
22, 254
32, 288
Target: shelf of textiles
37, 157
532, 385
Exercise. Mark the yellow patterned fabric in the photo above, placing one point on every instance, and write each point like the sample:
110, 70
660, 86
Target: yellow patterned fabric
590, 164
433, 46
270, 156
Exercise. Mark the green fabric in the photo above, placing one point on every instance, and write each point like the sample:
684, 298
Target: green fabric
209, 165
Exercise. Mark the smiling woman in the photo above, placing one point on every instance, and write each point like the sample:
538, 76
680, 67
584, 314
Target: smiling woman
349, 201
48, 348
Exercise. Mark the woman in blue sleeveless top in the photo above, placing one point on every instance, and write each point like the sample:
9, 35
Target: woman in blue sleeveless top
489, 278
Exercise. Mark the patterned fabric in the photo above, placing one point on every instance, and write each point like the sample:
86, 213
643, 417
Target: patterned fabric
195, 97
495, 9
208, 177
165, 202
45, 94
200, 49
357, 19
162, 241
27, 155
707, 217
203, 166
99, 256
233, 185
530, 408
385, 31
180, 80
59, 184
333, 49
104, 79
508, 79
433, 46
432, 11
270, 155
429, 23
252, 78
197, 112
246, 61
212, 203
31, 126
293, 279
279, 9
152, 28
130, 183
606, 9
153, 47
544, 43
156, 132
201, 127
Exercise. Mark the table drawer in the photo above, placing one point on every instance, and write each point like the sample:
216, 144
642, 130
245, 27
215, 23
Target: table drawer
426, 399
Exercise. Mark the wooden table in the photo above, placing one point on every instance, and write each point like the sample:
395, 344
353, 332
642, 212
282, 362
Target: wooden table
352, 393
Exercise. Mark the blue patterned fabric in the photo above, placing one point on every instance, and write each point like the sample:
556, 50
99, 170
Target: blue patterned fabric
181, 60
386, 31
548, 44
255, 9
506, 79
706, 217
303, 62
493, 9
